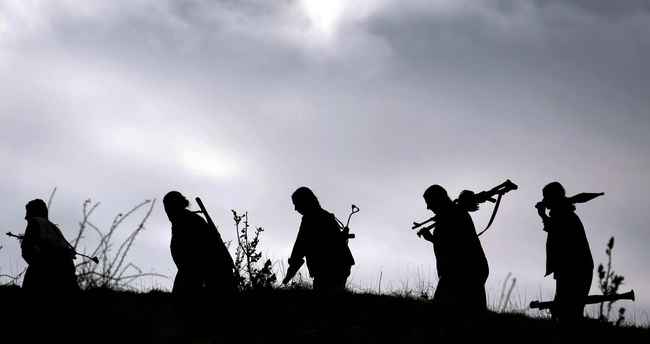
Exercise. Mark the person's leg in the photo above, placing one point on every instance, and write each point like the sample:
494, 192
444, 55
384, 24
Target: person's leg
444, 317
341, 284
325, 285
187, 292
570, 296
69, 277
220, 283
330, 285
179, 283
582, 287
317, 284
469, 309
480, 299
30, 278
559, 309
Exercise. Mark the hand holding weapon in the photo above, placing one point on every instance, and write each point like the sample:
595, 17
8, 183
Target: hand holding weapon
21, 237
421, 229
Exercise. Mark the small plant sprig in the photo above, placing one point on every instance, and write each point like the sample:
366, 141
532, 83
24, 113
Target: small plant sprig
609, 283
506, 292
250, 275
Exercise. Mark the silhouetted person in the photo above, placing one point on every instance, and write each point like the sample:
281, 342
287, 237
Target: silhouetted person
48, 254
322, 243
202, 259
568, 256
460, 261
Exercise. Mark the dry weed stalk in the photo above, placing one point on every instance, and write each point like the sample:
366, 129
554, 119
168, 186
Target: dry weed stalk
112, 271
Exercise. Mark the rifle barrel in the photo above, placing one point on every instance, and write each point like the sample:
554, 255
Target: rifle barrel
417, 225
17, 236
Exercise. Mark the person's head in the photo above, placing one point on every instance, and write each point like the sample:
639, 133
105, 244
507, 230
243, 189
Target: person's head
554, 195
36, 208
174, 202
436, 198
304, 200
467, 200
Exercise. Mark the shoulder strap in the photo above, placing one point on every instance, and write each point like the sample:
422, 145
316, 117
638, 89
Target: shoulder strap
494, 214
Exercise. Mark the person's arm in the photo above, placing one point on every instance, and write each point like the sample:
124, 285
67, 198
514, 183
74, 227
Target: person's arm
176, 252
30, 250
546, 220
181, 244
426, 235
296, 260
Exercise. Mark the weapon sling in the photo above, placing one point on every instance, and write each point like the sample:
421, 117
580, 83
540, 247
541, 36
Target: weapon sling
494, 214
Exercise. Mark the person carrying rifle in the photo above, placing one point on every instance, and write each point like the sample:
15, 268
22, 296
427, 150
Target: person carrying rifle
200, 255
322, 243
568, 256
460, 261
49, 256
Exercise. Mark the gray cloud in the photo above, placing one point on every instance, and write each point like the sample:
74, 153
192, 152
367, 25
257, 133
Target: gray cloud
603, 8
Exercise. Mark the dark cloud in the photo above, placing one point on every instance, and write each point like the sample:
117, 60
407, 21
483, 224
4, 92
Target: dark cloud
604, 8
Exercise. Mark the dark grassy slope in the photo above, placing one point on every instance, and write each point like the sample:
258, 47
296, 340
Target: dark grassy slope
272, 317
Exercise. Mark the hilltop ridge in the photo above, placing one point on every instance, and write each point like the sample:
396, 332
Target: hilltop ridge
272, 316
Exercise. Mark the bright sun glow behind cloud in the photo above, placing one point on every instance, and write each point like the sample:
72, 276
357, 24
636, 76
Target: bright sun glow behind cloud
324, 15
209, 164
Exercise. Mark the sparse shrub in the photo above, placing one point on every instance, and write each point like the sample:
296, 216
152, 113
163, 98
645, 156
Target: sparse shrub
9, 280
112, 271
609, 283
251, 273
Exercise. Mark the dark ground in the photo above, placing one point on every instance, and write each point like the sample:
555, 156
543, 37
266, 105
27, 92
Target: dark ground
276, 316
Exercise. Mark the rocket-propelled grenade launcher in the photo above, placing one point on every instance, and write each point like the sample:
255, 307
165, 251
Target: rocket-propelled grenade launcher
590, 299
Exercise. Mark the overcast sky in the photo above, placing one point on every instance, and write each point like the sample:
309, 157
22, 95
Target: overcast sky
366, 102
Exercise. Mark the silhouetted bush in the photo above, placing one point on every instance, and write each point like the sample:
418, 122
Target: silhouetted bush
9, 280
113, 271
251, 273
609, 283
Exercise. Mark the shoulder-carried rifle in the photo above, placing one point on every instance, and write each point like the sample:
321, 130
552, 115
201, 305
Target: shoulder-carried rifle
205, 214
20, 237
470, 201
214, 230
588, 300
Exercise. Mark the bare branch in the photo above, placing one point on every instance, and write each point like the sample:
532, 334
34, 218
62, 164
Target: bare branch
126, 245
